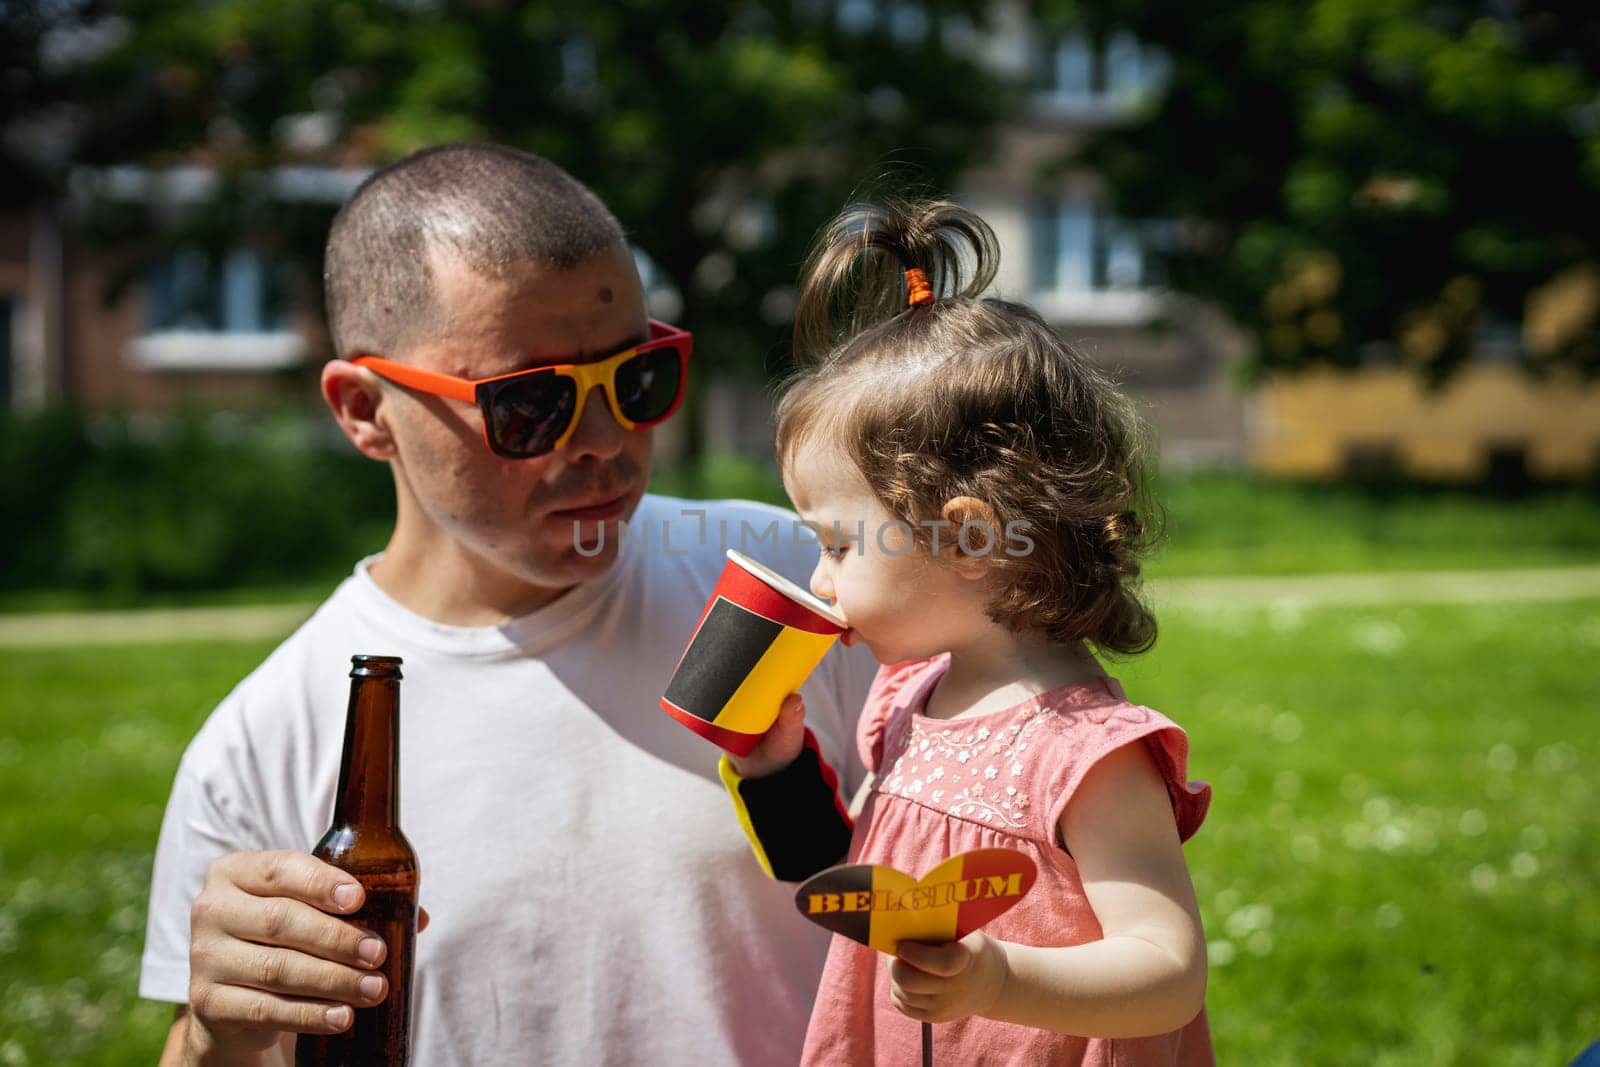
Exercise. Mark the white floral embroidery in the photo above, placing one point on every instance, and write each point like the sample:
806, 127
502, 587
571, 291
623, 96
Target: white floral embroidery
946, 747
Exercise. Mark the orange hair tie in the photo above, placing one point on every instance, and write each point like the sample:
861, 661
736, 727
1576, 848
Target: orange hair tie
918, 291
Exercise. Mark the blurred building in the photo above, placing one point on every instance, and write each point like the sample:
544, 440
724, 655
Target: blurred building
112, 326
1063, 252
1087, 271
1492, 423
224, 327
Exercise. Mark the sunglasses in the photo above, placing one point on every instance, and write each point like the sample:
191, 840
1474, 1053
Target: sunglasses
531, 412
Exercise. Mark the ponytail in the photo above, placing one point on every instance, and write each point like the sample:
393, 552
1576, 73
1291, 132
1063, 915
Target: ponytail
860, 272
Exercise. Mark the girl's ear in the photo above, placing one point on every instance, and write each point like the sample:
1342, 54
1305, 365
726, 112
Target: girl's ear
356, 399
974, 535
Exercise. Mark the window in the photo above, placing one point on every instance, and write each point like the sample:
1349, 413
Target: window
1080, 248
1370, 461
1078, 77
1089, 266
6, 304
234, 293
858, 16
580, 69
217, 311
1506, 468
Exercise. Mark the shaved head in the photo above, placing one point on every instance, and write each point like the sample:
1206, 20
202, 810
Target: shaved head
490, 207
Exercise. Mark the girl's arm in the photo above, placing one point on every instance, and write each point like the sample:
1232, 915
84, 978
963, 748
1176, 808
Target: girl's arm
1147, 975
786, 798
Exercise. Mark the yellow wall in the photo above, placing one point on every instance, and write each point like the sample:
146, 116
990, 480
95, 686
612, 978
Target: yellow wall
1307, 422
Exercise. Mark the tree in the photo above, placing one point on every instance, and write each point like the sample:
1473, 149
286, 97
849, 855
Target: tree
1359, 179
722, 133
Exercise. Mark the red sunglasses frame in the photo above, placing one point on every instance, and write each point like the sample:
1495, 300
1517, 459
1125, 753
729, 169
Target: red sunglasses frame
602, 372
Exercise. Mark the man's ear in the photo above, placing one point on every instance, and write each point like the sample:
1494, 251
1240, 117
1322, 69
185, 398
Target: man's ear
355, 397
974, 534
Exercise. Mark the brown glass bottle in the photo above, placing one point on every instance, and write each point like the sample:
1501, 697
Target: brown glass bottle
365, 839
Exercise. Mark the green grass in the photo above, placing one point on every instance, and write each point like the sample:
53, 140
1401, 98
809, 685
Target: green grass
1399, 865
89, 742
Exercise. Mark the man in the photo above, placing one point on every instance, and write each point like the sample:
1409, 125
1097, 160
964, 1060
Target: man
592, 898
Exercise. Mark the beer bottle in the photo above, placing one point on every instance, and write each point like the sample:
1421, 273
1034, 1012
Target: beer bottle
365, 840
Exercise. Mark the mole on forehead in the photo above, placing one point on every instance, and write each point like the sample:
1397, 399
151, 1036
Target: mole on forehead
605, 294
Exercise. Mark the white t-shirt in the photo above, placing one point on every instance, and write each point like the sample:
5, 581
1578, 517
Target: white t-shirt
592, 898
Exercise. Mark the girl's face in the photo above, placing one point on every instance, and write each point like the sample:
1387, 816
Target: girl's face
900, 601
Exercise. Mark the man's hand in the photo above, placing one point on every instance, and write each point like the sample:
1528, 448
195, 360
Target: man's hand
779, 746
942, 983
267, 955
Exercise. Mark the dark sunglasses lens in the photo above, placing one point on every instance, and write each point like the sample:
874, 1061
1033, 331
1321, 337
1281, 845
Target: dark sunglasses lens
647, 384
528, 415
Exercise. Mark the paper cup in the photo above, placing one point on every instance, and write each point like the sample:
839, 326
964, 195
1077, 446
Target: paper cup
758, 638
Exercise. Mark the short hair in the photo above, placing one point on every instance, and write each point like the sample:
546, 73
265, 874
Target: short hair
492, 206
974, 396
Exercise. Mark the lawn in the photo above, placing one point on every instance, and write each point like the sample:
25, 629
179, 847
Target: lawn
1399, 866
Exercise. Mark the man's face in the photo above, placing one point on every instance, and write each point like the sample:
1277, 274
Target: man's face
528, 518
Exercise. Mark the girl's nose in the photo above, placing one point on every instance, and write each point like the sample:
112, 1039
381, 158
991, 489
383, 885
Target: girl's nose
821, 581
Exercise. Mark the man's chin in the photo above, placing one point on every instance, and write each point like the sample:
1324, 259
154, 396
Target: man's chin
589, 548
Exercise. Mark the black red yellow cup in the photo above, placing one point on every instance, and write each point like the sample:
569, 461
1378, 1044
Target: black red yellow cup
758, 638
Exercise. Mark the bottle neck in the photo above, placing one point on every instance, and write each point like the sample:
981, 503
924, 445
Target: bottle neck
369, 772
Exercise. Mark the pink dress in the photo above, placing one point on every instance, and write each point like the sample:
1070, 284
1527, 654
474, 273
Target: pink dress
999, 780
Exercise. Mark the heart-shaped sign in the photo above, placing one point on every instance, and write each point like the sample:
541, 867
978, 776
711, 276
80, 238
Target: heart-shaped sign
880, 906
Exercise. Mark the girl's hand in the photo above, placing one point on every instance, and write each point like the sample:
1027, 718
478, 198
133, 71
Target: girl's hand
942, 983
779, 746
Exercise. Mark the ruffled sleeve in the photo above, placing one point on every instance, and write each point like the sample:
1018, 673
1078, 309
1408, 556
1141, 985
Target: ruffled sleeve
1121, 723
886, 702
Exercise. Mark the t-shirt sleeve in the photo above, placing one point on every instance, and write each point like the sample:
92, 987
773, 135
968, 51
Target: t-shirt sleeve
204, 820
1168, 746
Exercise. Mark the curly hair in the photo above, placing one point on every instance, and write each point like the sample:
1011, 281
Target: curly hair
976, 397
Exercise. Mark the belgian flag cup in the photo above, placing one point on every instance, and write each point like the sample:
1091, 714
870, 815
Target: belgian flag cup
758, 638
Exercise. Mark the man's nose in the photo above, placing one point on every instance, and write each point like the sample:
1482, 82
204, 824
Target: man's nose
598, 434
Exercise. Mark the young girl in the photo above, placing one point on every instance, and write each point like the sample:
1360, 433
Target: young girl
975, 484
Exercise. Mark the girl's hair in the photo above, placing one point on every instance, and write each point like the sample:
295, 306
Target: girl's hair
971, 396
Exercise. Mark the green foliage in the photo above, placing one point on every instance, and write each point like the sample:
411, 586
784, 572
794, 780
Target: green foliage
1355, 178
722, 134
120, 507
1398, 867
